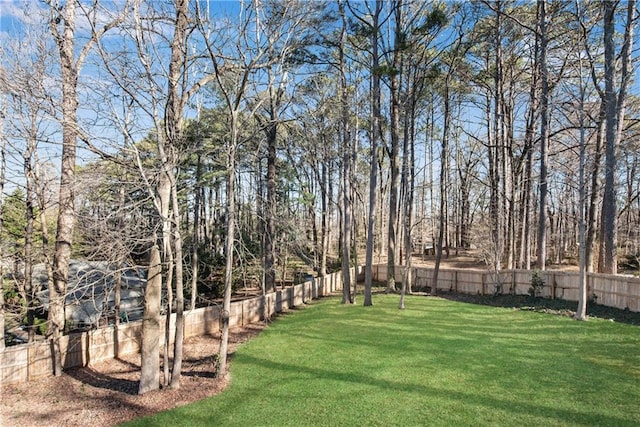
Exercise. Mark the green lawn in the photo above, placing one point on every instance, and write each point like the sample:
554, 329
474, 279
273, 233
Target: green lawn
438, 362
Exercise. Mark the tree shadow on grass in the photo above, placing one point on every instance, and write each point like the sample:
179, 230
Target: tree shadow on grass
555, 415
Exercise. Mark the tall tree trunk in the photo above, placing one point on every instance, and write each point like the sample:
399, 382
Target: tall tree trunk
394, 152
346, 166
173, 129
544, 138
607, 262
66, 196
70, 66
495, 149
373, 171
615, 111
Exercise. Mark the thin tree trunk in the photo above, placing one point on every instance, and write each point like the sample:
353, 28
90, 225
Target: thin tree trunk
44, 227
164, 194
581, 312
324, 228
179, 335
196, 234
29, 290
444, 165
270, 227
407, 183
595, 190
229, 245
118, 285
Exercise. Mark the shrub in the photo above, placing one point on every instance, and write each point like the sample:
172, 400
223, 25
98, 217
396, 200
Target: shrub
537, 284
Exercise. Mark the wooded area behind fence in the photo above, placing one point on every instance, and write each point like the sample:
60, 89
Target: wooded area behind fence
31, 361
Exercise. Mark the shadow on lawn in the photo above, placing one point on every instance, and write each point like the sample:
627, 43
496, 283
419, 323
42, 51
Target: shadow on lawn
558, 414
545, 305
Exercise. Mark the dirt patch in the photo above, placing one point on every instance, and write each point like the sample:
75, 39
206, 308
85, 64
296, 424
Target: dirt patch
105, 394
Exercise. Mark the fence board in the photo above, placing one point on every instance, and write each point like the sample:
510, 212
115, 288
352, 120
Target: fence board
129, 337
40, 361
470, 282
14, 362
235, 314
252, 310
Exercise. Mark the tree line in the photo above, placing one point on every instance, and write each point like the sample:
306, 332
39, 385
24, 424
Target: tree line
215, 142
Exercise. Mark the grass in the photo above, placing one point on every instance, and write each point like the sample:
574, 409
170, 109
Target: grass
437, 363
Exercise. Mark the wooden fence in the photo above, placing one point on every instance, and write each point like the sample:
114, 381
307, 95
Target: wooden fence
610, 290
27, 362
31, 361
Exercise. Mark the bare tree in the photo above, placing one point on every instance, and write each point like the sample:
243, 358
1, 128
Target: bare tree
165, 106
63, 28
232, 77
31, 106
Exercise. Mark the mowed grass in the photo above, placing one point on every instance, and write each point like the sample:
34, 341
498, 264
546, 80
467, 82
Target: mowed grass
438, 362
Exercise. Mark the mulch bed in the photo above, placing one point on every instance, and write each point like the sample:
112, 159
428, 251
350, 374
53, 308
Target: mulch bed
105, 394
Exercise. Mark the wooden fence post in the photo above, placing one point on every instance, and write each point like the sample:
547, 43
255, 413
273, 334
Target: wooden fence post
455, 281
